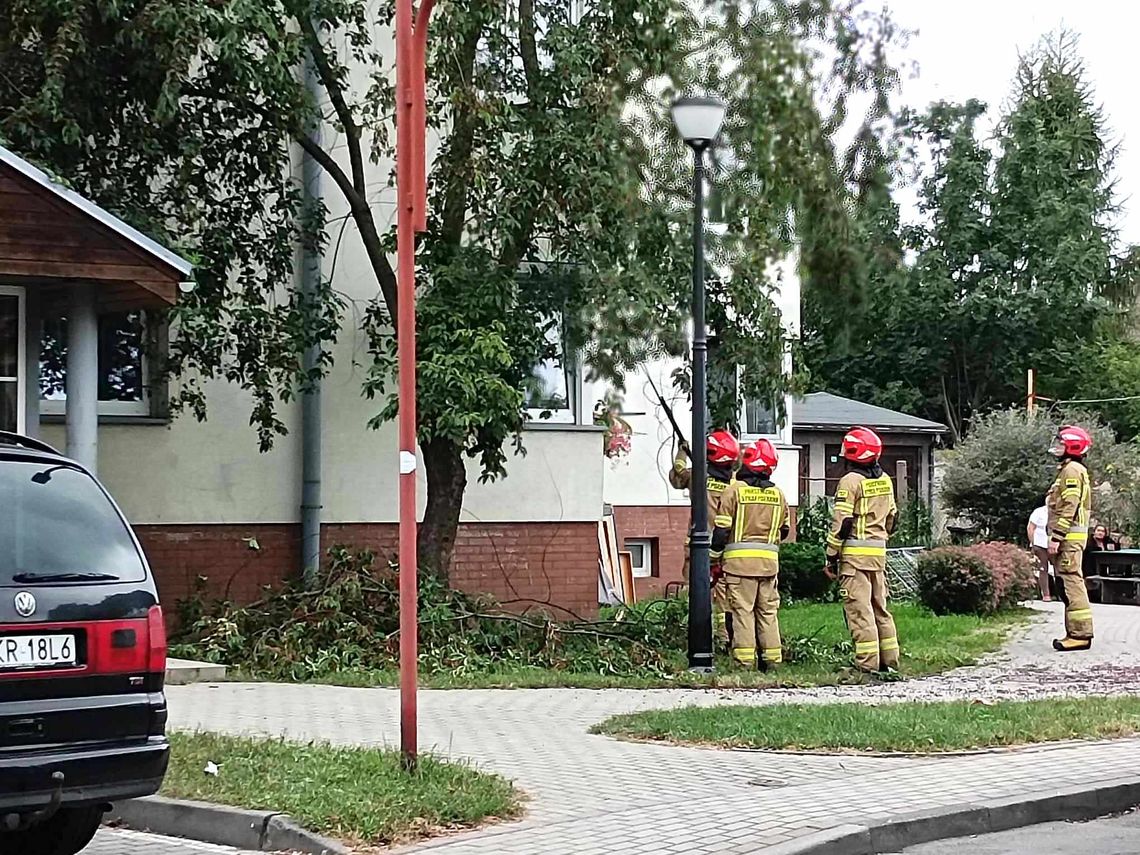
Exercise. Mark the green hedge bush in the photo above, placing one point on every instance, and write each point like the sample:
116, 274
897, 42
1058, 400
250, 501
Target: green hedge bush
801, 573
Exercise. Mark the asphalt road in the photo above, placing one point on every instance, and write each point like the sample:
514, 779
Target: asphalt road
1113, 836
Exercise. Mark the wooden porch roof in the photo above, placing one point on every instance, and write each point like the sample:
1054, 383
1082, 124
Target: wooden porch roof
51, 236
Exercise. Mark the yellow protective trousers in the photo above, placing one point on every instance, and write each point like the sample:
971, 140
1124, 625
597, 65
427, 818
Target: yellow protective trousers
755, 605
864, 594
1078, 612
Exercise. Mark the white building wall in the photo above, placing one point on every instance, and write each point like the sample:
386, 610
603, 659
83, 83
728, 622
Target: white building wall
641, 478
212, 472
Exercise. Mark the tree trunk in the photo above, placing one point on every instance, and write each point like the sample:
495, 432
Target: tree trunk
955, 433
446, 482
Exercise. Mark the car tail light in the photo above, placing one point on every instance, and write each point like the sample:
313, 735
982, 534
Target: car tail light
128, 646
156, 638
116, 647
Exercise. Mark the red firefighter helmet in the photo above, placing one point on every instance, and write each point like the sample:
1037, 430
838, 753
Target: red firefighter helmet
862, 445
722, 448
761, 456
1071, 441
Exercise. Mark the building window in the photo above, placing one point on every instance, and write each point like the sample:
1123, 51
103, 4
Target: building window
641, 552
756, 417
552, 393
760, 419
11, 359
723, 164
124, 387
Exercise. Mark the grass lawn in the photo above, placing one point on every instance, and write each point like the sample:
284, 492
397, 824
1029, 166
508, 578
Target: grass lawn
816, 642
355, 794
910, 727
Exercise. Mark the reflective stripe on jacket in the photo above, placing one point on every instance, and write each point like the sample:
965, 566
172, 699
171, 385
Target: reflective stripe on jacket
861, 524
681, 478
753, 517
1070, 503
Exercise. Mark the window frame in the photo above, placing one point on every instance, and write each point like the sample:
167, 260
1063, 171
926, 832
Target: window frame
649, 567
145, 407
572, 413
776, 436
21, 378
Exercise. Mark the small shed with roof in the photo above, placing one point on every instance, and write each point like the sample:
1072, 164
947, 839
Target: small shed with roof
819, 421
74, 273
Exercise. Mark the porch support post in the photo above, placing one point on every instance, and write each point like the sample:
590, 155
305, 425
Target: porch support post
83, 377
33, 334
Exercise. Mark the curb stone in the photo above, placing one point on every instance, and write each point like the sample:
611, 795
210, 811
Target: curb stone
262, 831
840, 840
988, 815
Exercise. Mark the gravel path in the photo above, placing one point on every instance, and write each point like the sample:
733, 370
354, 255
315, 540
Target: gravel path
1027, 668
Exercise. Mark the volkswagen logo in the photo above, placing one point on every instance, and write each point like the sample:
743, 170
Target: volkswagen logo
25, 604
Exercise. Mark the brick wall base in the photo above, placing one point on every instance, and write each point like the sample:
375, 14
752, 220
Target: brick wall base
667, 527
524, 565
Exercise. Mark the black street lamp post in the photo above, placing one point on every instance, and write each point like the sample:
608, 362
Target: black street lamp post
698, 121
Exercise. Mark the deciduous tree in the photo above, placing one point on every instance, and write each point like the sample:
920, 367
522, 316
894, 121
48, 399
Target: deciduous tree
556, 221
1014, 256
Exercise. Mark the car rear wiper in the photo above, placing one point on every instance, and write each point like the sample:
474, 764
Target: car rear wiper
30, 578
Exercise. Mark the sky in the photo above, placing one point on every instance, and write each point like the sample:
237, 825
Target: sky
968, 49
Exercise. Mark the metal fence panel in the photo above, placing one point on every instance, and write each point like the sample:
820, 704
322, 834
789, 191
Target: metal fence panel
902, 566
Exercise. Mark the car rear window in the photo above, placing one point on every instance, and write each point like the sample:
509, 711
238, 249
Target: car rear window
55, 520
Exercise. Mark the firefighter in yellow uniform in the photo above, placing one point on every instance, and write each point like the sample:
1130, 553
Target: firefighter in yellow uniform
752, 521
865, 516
1070, 507
722, 452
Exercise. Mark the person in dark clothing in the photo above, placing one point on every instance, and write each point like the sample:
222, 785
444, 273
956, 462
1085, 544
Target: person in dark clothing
1099, 541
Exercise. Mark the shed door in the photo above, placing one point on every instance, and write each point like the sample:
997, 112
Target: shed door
11, 359
909, 455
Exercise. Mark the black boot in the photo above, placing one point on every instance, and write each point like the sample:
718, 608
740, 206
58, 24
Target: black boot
1068, 644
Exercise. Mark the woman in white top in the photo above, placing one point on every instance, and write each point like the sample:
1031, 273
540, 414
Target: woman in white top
1038, 531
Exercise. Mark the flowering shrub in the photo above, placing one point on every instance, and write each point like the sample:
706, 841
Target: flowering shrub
952, 580
979, 579
1014, 571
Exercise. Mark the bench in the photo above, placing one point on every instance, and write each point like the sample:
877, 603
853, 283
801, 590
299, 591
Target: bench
1110, 596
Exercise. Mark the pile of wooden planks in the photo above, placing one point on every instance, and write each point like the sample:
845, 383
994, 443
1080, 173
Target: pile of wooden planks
615, 567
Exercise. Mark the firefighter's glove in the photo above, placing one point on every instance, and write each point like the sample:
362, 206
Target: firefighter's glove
831, 568
720, 539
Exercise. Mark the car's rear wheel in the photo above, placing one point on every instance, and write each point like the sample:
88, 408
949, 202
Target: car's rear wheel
66, 833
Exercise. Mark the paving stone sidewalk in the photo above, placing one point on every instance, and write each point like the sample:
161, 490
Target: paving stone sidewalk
111, 841
591, 794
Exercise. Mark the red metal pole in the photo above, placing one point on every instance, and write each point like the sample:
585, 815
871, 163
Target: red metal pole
406, 356
419, 110
411, 201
